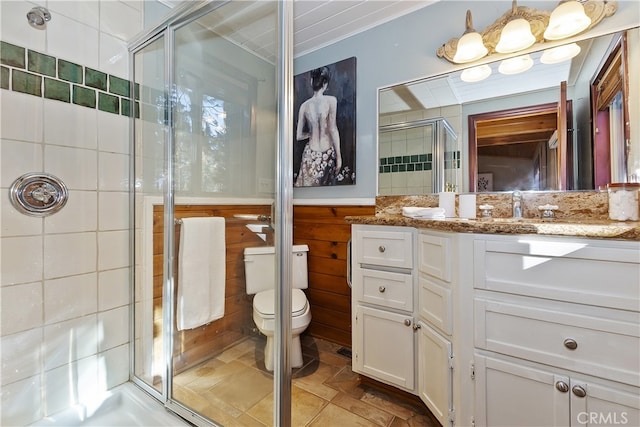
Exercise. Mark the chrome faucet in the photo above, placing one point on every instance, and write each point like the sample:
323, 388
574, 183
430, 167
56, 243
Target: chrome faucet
516, 201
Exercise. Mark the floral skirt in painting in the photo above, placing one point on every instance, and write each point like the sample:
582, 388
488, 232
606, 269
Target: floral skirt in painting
317, 168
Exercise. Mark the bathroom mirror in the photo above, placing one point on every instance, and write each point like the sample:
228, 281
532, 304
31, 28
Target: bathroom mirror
528, 101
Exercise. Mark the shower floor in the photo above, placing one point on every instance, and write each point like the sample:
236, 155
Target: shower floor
234, 389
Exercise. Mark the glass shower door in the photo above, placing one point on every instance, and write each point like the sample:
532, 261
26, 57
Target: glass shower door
150, 173
206, 147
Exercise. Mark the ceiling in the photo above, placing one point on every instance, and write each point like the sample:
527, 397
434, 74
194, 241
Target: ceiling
317, 23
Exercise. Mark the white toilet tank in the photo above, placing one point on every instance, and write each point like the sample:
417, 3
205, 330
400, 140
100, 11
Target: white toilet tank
259, 268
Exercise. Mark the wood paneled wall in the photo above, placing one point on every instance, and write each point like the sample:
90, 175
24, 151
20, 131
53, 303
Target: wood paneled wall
195, 345
324, 229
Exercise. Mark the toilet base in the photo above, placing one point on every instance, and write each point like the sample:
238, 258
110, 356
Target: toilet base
296, 353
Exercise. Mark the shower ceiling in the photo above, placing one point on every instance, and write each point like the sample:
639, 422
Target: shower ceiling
318, 23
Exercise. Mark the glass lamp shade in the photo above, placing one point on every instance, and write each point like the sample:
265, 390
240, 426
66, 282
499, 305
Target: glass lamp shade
560, 53
470, 48
515, 65
475, 74
568, 19
515, 36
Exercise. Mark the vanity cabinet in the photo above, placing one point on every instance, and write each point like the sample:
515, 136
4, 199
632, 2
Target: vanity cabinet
383, 287
435, 325
556, 331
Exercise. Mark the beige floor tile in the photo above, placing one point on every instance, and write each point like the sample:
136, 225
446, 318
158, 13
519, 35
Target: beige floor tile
238, 350
384, 402
358, 407
244, 389
333, 415
346, 381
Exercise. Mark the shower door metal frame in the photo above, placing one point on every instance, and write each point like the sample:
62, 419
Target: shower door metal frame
283, 209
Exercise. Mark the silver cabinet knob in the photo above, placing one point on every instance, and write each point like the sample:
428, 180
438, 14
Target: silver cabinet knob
570, 343
381, 289
416, 326
381, 249
407, 322
579, 391
562, 386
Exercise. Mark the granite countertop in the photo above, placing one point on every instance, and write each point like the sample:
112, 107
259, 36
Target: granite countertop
579, 213
595, 228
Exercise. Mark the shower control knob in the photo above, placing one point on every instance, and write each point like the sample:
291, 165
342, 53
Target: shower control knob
381, 289
381, 249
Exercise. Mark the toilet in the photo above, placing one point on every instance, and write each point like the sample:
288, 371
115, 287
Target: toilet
259, 267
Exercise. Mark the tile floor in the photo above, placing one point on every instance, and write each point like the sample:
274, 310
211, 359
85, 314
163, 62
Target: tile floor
234, 389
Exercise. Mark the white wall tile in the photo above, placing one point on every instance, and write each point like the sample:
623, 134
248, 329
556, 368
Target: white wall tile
113, 247
21, 402
113, 328
74, 166
21, 355
70, 384
19, 109
113, 172
114, 211
70, 125
21, 307
113, 288
70, 297
73, 41
18, 158
113, 133
113, 367
79, 214
114, 56
86, 12
24, 255
119, 19
15, 223
14, 29
69, 341
69, 254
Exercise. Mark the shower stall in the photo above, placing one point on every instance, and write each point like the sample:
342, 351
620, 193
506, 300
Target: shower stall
209, 131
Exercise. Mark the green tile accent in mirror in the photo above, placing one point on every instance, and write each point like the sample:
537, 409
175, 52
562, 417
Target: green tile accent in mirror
65, 81
417, 162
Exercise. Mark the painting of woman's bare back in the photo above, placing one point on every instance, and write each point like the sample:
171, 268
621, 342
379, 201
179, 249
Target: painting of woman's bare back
324, 148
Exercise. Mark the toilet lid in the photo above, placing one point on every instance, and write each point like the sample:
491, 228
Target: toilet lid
264, 302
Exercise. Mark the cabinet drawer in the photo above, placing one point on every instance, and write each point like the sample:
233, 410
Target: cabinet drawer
434, 256
604, 274
384, 288
384, 248
436, 305
605, 345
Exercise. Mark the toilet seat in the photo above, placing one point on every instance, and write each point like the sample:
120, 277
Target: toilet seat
264, 303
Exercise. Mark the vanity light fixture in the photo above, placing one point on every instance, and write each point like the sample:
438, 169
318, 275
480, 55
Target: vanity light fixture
516, 65
516, 34
470, 46
568, 19
475, 74
522, 27
560, 53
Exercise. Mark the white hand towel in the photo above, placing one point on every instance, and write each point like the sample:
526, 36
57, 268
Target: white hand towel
201, 272
425, 213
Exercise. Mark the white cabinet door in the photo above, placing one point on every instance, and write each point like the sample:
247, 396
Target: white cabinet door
595, 404
510, 394
434, 373
384, 346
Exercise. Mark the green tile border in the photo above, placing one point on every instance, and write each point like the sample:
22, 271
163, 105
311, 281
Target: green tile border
35, 73
416, 162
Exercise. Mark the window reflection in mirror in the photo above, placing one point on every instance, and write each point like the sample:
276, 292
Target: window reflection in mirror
406, 103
